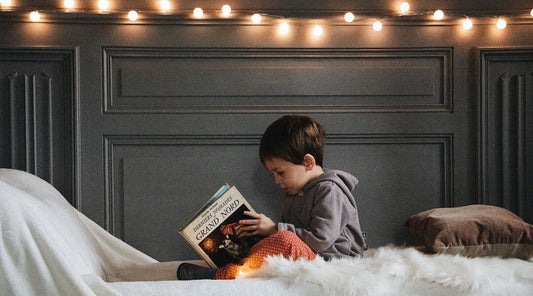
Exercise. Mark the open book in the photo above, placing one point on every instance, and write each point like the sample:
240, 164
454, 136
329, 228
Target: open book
212, 230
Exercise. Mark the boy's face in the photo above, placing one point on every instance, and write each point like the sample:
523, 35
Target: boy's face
289, 176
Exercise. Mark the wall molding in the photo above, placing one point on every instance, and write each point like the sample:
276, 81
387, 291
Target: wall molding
439, 65
31, 100
502, 129
111, 142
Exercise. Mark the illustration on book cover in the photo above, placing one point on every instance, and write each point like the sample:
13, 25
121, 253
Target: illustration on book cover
212, 231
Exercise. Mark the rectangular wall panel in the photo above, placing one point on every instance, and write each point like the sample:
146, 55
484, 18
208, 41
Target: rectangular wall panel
506, 129
156, 183
269, 80
37, 114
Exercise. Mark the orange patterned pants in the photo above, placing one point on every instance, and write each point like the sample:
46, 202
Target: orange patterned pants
283, 243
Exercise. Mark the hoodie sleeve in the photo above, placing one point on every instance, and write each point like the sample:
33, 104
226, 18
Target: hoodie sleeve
330, 207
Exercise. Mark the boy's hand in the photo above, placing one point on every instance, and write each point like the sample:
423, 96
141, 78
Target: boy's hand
259, 225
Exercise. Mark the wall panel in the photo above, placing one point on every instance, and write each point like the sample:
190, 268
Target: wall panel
273, 80
37, 114
155, 181
506, 129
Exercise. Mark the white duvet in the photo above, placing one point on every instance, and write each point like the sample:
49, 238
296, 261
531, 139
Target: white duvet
49, 248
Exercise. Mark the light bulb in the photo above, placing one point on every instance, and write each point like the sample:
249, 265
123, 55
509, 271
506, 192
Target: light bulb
438, 14
284, 27
133, 15
103, 4
501, 24
226, 10
377, 26
467, 24
69, 4
164, 5
5, 3
35, 16
256, 18
404, 7
349, 17
317, 30
531, 12
198, 12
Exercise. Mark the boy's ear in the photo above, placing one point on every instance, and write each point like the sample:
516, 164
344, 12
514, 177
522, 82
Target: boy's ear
309, 162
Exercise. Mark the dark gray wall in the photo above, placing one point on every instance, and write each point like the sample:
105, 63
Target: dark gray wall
149, 120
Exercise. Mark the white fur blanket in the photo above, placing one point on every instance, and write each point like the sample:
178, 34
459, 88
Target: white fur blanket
406, 271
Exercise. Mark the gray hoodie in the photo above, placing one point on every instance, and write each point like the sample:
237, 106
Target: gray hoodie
324, 215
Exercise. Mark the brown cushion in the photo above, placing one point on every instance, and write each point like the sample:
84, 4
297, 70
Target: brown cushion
473, 231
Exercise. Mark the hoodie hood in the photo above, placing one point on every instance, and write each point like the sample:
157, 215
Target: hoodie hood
344, 180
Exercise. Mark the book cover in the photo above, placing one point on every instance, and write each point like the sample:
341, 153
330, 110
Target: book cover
212, 230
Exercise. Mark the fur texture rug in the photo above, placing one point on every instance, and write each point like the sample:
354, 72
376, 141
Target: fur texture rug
406, 271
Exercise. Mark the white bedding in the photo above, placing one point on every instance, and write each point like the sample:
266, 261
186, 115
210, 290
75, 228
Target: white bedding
49, 248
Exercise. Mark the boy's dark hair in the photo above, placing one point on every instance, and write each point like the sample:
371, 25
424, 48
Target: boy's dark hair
291, 137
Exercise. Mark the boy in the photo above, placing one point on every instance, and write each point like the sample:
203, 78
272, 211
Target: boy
319, 213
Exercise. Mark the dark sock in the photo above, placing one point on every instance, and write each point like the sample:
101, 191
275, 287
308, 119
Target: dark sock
187, 271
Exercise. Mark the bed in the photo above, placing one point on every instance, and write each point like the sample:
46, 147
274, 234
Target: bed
50, 248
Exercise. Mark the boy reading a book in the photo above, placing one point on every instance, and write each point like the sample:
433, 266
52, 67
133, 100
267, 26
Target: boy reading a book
319, 214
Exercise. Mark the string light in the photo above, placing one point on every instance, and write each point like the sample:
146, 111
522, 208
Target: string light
349, 17
256, 18
35, 16
438, 14
404, 7
226, 10
198, 12
377, 26
284, 28
317, 30
103, 5
133, 15
467, 24
501, 24
164, 5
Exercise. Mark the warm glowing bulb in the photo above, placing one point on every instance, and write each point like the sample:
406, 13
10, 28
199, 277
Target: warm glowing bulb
69, 4
35, 16
438, 14
284, 27
133, 15
256, 18
5, 3
467, 24
103, 4
531, 12
377, 26
317, 30
164, 5
501, 24
226, 10
349, 17
198, 12
404, 7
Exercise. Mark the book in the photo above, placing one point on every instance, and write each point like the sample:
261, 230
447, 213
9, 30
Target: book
211, 231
